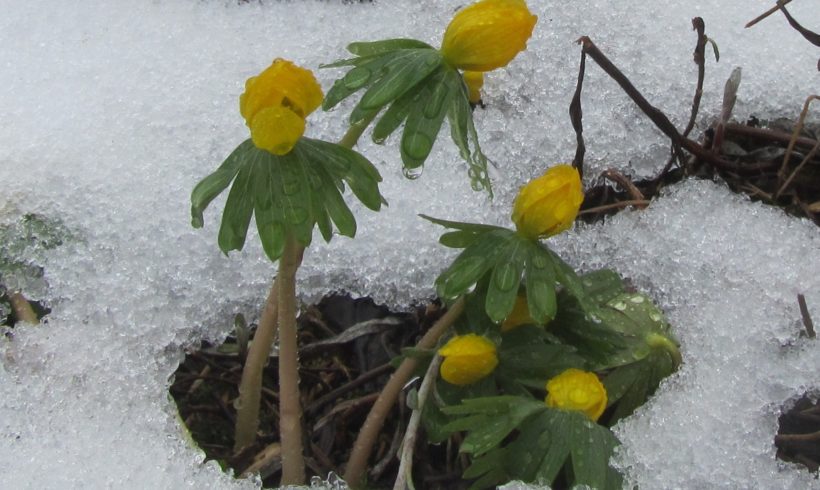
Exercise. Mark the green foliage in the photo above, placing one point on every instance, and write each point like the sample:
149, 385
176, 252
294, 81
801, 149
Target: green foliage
288, 193
418, 89
515, 438
511, 261
599, 325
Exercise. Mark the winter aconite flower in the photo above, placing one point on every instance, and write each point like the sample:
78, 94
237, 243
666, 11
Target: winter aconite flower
549, 204
487, 34
467, 359
577, 390
275, 104
520, 315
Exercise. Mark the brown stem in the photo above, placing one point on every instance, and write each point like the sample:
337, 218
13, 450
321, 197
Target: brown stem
290, 410
576, 116
247, 404
363, 446
22, 309
804, 313
765, 14
408, 445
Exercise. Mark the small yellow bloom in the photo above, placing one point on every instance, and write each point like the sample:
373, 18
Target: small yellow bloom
474, 81
549, 204
487, 34
467, 359
520, 315
577, 390
275, 104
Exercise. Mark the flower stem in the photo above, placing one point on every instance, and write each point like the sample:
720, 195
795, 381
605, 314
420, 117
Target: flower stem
354, 132
290, 418
363, 446
250, 387
408, 445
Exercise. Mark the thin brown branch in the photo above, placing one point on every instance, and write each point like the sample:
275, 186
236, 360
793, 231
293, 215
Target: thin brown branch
576, 115
797, 129
622, 180
810, 36
615, 205
765, 14
804, 313
387, 398
797, 169
768, 134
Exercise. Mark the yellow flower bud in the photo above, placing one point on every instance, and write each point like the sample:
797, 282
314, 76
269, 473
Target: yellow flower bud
275, 104
467, 359
577, 390
474, 81
549, 204
487, 34
520, 315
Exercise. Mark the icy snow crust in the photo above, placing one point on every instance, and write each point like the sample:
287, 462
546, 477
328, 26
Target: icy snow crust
112, 111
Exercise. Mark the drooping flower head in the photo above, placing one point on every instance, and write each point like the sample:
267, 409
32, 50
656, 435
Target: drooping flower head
549, 204
487, 34
275, 104
577, 390
467, 359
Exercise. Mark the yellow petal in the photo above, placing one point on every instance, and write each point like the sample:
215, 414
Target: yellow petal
577, 390
549, 204
487, 34
281, 86
467, 359
276, 129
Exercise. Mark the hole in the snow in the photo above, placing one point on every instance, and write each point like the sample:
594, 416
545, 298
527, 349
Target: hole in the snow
798, 434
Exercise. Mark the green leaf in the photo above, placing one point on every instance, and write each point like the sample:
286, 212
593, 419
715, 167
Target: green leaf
339, 212
239, 207
457, 239
590, 451
213, 185
424, 120
489, 469
458, 225
472, 263
505, 279
270, 220
462, 130
501, 415
526, 356
387, 45
363, 74
629, 387
404, 70
540, 283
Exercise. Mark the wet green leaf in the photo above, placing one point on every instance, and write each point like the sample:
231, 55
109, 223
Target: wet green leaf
404, 70
540, 283
472, 263
505, 279
425, 119
238, 209
387, 45
213, 185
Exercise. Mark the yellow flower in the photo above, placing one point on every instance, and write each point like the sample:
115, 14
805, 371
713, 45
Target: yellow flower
577, 390
467, 359
487, 34
549, 204
275, 104
520, 315
474, 81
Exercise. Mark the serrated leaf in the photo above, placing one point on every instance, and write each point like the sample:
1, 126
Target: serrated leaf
270, 220
525, 355
424, 120
458, 225
462, 130
404, 70
394, 116
540, 284
211, 186
472, 264
236, 216
487, 433
365, 71
489, 469
379, 47
590, 452
506, 277
457, 239
339, 213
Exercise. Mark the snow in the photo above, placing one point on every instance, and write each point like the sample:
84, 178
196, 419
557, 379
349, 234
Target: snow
112, 111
